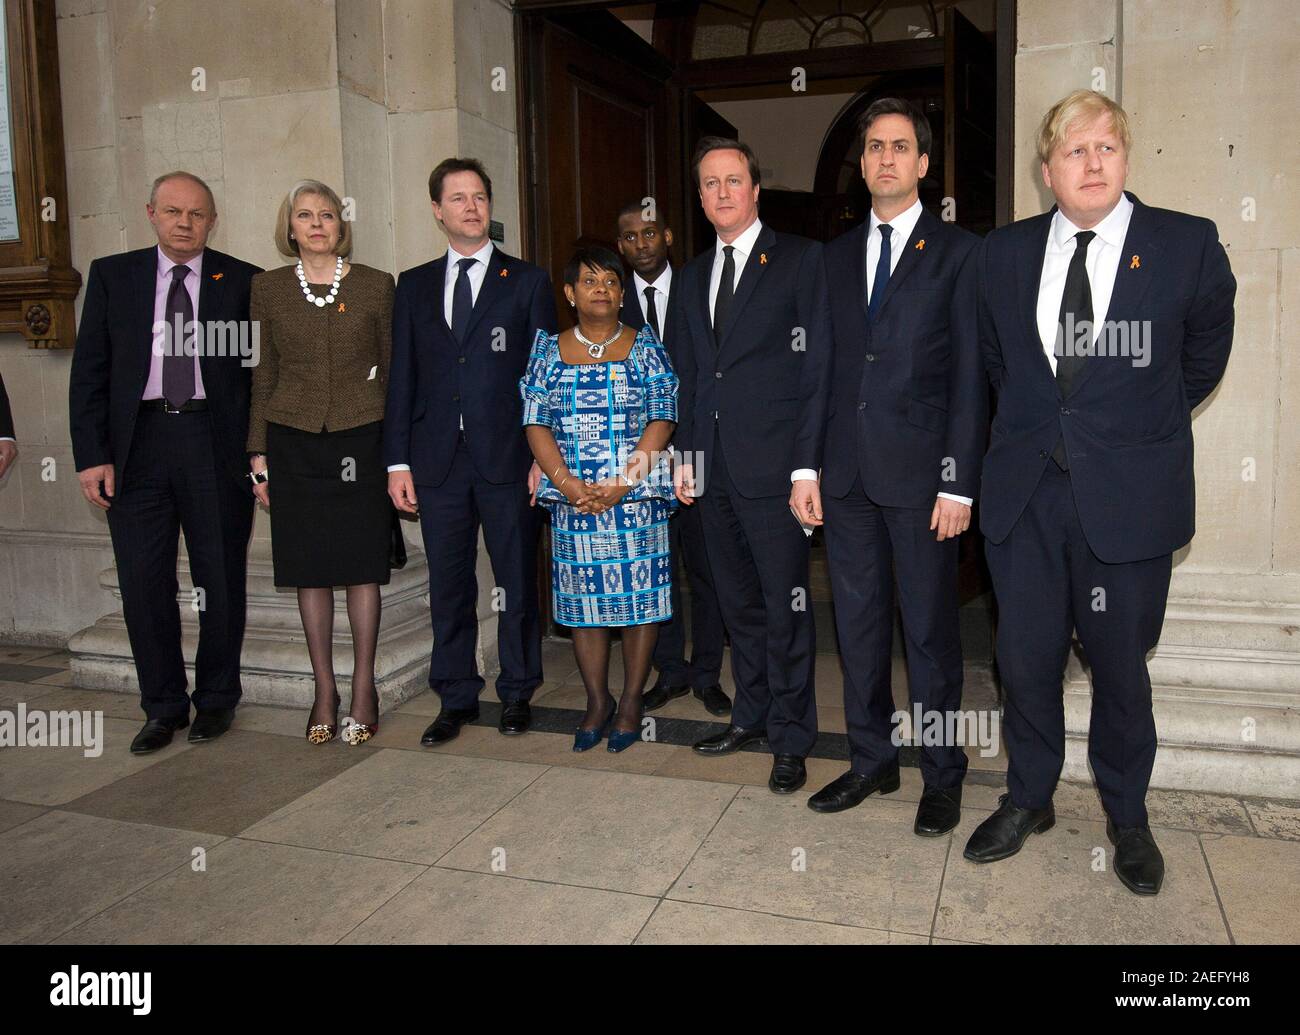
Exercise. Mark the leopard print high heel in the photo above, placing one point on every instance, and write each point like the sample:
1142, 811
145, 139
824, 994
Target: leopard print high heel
323, 732
355, 733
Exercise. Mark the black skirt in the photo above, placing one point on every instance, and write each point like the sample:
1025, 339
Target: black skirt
331, 518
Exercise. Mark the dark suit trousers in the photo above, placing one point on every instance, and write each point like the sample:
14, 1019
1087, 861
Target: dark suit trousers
686, 542
866, 546
759, 558
171, 484
1048, 583
450, 517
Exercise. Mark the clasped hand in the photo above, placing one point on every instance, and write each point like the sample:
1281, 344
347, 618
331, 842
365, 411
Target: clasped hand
595, 497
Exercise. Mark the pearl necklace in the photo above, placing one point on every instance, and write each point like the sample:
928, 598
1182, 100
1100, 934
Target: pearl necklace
334, 291
597, 349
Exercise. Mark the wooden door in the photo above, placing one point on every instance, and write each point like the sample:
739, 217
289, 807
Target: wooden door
970, 123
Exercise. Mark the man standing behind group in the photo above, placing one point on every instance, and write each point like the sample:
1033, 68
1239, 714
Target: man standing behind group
1088, 484
463, 327
907, 427
752, 343
158, 430
643, 241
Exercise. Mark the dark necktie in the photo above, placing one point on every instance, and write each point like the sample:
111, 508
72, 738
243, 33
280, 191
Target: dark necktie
1076, 309
882, 273
462, 300
178, 367
652, 312
726, 290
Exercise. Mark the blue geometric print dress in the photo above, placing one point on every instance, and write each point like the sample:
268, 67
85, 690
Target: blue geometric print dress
610, 569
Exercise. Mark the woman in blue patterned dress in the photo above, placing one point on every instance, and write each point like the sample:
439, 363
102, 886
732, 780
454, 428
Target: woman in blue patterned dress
600, 403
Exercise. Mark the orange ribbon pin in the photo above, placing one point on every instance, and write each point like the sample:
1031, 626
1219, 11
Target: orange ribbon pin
1135, 263
342, 308
505, 273
762, 258
217, 276
920, 245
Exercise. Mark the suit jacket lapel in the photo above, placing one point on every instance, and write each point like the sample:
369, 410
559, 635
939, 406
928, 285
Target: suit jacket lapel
1131, 282
212, 293
912, 257
495, 283
437, 292
1029, 271
144, 276
755, 266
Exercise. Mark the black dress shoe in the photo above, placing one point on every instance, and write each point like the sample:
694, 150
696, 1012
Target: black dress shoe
788, 774
1003, 833
447, 725
714, 700
733, 738
849, 790
516, 717
1138, 863
939, 811
661, 693
210, 724
156, 733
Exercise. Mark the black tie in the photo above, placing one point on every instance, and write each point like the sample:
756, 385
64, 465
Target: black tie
462, 300
1076, 309
882, 273
726, 289
178, 368
652, 312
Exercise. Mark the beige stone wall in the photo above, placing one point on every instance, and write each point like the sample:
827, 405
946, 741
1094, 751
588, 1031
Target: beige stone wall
365, 94
1211, 91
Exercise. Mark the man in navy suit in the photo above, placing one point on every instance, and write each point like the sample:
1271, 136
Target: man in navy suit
1103, 323
463, 326
907, 426
8, 437
752, 342
644, 242
159, 423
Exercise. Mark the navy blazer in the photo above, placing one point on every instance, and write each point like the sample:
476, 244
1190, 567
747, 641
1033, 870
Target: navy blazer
909, 402
767, 379
115, 346
433, 380
6, 414
1127, 427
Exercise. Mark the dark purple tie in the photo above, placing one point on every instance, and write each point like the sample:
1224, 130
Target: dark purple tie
178, 368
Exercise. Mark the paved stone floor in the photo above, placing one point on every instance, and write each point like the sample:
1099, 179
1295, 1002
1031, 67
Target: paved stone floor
261, 837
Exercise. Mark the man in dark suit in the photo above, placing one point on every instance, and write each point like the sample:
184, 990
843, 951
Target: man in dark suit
8, 437
463, 326
158, 435
1103, 324
909, 405
752, 342
644, 242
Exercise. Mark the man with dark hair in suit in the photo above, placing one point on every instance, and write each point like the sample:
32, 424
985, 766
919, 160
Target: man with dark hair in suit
643, 241
463, 326
909, 405
8, 437
1103, 323
158, 439
752, 341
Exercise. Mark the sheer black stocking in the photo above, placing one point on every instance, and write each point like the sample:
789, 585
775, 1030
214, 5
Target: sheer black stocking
363, 616
316, 605
638, 648
591, 648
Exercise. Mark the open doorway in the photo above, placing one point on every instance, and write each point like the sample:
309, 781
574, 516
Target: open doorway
614, 97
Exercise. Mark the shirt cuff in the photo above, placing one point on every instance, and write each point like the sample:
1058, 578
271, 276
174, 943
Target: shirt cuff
943, 496
398, 467
7, 438
804, 474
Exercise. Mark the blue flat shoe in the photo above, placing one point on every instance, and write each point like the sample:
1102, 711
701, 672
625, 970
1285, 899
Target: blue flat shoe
621, 740
585, 740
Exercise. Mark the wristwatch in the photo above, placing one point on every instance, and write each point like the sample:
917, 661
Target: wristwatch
257, 477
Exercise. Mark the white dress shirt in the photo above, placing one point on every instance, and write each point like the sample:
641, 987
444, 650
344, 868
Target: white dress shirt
1101, 264
662, 285
743, 245
476, 273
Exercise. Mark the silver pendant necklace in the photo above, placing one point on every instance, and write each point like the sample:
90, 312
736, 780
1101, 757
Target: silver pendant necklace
596, 349
334, 291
